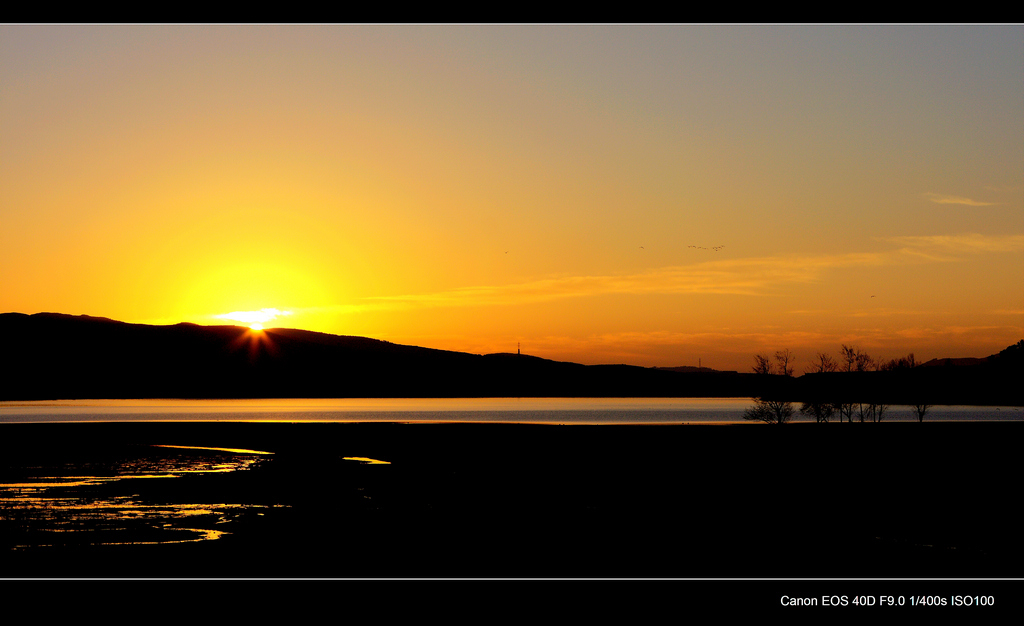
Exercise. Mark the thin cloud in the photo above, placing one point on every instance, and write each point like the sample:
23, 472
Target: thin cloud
759, 276
885, 313
1005, 188
750, 277
940, 198
940, 245
948, 331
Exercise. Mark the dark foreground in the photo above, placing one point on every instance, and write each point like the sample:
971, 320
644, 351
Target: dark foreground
899, 500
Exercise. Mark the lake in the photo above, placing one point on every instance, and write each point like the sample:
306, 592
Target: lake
511, 410
489, 487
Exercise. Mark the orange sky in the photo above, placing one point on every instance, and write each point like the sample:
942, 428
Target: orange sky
474, 187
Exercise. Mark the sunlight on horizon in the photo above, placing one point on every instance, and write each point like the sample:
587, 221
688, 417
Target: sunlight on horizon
254, 319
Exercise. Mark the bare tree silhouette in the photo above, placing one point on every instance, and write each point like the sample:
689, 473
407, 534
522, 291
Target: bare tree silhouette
820, 411
823, 363
769, 411
784, 360
920, 410
762, 364
854, 359
901, 363
781, 363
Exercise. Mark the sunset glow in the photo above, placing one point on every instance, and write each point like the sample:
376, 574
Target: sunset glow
253, 319
651, 195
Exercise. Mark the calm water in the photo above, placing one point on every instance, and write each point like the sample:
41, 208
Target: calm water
513, 410
117, 499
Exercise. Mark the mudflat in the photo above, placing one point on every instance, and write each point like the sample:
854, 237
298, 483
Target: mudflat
516, 500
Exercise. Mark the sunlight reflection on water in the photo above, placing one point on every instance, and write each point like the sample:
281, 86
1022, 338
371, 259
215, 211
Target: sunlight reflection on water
46, 508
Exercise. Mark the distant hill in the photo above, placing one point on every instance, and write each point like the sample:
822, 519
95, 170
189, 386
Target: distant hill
689, 369
964, 361
52, 355
1013, 356
993, 380
58, 356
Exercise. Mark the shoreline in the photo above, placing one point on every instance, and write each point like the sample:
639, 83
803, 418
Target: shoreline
523, 500
524, 410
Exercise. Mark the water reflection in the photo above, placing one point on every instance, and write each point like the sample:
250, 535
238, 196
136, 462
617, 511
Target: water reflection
55, 505
518, 410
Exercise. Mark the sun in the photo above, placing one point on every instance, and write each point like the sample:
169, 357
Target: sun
254, 319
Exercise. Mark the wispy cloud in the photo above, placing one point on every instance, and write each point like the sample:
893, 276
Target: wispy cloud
1005, 188
941, 247
885, 313
941, 198
757, 276
862, 313
942, 332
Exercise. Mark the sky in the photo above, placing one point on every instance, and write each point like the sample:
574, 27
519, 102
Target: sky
656, 195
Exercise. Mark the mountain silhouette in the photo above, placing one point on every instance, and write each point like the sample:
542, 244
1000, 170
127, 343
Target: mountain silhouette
59, 356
